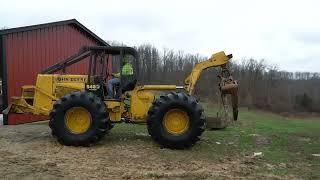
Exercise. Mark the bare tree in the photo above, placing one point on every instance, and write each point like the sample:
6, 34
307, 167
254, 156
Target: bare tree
261, 85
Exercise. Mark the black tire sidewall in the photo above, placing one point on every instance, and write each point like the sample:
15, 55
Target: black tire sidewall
183, 102
87, 101
190, 131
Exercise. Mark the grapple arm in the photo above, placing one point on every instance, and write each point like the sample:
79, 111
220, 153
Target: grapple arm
227, 84
216, 60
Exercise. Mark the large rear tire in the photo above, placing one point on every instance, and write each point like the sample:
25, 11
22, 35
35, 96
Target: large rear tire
176, 121
79, 119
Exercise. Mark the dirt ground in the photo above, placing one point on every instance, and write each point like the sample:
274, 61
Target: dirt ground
30, 152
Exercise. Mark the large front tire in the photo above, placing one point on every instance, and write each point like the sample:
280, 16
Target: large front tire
79, 119
176, 121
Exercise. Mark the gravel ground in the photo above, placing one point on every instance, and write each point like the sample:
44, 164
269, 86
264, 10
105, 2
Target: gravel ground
30, 152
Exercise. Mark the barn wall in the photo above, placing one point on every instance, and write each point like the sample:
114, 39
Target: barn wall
30, 52
2, 74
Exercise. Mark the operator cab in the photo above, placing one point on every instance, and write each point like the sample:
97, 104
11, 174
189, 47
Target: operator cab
100, 57
99, 72
123, 75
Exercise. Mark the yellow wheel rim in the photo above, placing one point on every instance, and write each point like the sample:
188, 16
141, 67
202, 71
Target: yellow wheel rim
77, 120
176, 121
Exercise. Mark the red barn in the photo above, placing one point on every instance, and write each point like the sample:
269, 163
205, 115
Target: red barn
26, 51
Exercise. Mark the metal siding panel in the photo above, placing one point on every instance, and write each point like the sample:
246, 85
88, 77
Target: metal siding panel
69, 45
15, 71
44, 60
49, 43
58, 41
30, 52
24, 58
61, 39
70, 48
53, 43
73, 39
63, 42
11, 56
76, 37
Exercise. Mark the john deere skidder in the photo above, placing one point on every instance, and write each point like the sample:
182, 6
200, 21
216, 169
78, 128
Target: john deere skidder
81, 114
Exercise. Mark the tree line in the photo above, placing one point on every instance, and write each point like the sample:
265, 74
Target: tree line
260, 85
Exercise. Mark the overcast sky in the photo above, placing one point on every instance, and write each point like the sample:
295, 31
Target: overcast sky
285, 33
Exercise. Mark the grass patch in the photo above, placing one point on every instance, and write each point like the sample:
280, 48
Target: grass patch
287, 144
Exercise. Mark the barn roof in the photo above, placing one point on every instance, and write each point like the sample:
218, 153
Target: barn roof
58, 23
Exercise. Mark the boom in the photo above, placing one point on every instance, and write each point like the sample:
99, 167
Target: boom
217, 59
